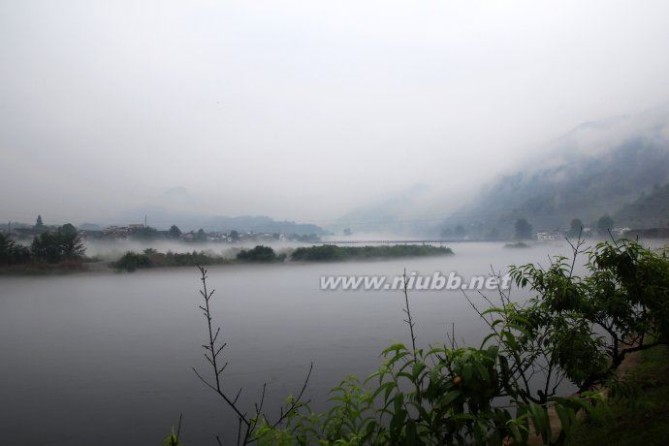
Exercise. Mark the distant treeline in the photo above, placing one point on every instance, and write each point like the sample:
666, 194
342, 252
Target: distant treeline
265, 254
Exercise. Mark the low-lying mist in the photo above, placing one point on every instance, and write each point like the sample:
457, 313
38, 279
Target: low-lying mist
113, 250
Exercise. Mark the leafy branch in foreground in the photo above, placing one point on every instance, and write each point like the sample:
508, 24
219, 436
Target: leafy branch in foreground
620, 307
439, 396
253, 424
575, 329
173, 439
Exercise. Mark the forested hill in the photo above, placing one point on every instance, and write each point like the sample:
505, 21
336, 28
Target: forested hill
599, 168
649, 210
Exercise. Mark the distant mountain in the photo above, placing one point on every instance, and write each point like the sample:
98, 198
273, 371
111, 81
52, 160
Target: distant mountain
596, 169
162, 218
261, 224
398, 214
177, 206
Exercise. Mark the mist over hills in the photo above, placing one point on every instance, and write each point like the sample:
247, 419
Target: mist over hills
402, 213
162, 218
598, 168
615, 167
649, 210
178, 206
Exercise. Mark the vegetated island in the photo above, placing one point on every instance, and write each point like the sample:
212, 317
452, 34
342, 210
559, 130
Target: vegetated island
150, 258
333, 253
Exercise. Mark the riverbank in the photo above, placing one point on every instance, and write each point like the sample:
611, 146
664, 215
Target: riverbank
44, 268
640, 414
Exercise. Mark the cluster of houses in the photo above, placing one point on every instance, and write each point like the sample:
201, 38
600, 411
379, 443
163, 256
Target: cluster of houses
143, 232
140, 231
546, 236
113, 231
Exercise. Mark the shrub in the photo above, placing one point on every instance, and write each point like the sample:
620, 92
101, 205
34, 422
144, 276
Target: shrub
259, 254
131, 261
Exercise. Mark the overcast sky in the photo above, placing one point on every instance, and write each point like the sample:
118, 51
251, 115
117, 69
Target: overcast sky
301, 110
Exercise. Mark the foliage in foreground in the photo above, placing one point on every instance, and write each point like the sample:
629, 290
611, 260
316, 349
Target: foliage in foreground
502, 391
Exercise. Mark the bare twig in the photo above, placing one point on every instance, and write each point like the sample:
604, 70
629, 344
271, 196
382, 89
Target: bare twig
409, 320
213, 349
179, 428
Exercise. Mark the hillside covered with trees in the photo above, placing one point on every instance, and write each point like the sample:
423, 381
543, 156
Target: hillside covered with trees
612, 167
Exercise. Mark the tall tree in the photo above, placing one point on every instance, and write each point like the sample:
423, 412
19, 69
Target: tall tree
575, 228
55, 246
12, 253
145, 233
604, 224
523, 229
174, 232
71, 245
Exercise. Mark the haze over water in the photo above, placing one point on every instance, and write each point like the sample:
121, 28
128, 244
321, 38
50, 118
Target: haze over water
105, 358
436, 119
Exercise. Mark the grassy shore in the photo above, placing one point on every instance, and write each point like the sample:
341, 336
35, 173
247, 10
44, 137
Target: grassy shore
44, 268
641, 418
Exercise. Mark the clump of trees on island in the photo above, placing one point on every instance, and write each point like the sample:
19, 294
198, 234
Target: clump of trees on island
265, 254
260, 254
571, 329
150, 258
336, 253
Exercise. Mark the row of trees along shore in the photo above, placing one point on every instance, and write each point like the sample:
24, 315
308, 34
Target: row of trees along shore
524, 230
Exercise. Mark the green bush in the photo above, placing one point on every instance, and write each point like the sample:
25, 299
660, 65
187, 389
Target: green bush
625, 296
263, 254
130, 261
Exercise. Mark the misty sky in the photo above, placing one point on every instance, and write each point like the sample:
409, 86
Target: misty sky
301, 110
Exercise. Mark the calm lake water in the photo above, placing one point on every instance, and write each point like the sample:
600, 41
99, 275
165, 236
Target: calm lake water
106, 359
